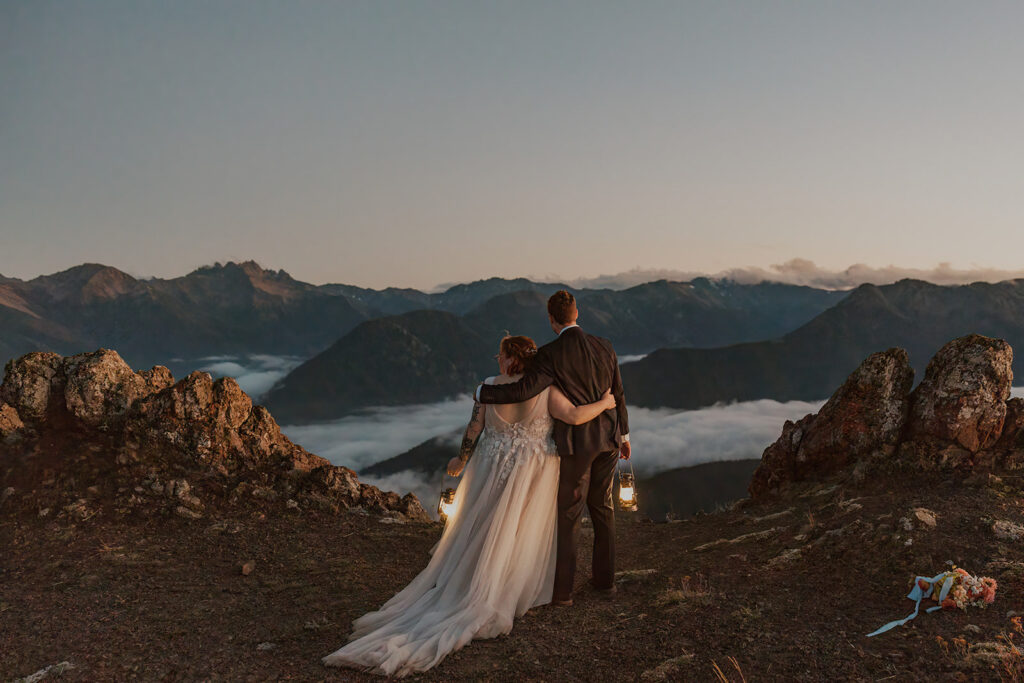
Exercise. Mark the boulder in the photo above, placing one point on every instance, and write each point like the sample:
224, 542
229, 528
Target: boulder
231, 404
961, 401
29, 382
337, 483
100, 387
411, 507
865, 415
157, 378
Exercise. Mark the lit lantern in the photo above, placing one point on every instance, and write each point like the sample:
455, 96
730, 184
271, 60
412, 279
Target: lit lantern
446, 506
627, 491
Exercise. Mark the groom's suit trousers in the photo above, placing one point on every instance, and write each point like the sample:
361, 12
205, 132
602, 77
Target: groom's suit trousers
585, 480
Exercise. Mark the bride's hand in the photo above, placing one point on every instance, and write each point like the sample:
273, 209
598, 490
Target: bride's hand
607, 400
455, 466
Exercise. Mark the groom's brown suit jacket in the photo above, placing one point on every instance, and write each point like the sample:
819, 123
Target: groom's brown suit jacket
583, 367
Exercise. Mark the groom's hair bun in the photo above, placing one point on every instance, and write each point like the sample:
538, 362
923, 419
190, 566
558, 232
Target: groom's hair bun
562, 307
520, 350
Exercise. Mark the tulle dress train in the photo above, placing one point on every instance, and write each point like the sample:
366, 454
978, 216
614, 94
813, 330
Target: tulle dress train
495, 559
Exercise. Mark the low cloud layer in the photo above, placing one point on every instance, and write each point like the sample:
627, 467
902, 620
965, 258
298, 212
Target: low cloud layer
358, 441
662, 439
666, 439
804, 272
255, 373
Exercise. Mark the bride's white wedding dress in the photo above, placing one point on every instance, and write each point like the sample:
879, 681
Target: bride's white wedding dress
495, 559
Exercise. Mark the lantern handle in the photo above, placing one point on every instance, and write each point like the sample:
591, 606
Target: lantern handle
618, 464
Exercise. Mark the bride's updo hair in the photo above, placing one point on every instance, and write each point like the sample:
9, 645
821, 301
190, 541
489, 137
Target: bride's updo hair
520, 350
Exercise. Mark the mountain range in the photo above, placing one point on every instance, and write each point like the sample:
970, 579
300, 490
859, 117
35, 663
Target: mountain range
243, 308
806, 363
706, 341
429, 355
222, 309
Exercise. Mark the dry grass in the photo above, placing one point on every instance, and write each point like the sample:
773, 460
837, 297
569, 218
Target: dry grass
721, 675
691, 590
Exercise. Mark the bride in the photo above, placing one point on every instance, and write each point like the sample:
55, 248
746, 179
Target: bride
496, 557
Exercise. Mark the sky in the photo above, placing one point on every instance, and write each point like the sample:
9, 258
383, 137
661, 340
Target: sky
417, 143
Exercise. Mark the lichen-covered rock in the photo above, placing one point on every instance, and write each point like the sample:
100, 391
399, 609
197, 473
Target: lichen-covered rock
411, 507
375, 500
29, 382
185, 401
100, 387
1012, 438
779, 459
157, 378
339, 483
9, 420
232, 405
196, 419
865, 415
962, 399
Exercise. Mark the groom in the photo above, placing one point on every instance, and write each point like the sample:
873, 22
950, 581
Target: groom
582, 366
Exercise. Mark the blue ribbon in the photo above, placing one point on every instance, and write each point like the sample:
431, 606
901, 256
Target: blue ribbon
917, 594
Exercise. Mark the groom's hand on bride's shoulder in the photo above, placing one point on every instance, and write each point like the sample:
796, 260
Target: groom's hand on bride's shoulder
625, 450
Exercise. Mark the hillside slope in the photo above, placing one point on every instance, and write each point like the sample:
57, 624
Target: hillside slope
849, 506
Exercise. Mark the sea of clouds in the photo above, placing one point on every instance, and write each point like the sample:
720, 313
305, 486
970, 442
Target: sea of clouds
255, 373
662, 439
360, 440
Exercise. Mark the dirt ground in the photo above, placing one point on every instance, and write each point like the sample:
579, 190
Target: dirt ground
166, 599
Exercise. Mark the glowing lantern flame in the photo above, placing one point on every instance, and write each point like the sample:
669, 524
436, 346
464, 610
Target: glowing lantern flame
627, 491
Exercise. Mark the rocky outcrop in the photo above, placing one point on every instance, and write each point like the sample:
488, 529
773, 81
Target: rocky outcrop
865, 415
28, 384
958, 419
962, 399
99, 387
94, 433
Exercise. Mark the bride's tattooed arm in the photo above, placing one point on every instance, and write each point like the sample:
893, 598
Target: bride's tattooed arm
469, 439
473, 431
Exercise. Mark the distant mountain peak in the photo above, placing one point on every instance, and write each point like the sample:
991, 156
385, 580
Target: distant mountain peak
86, 282
249, 267
251, 275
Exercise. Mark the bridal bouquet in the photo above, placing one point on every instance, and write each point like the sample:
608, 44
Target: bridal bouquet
965, 590
955, 588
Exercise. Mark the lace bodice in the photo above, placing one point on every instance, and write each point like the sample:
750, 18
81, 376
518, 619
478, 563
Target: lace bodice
510, 442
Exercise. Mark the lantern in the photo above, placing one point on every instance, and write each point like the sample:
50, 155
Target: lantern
446, 506
627, 491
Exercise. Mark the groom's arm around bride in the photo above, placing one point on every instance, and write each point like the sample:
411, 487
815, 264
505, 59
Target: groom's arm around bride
582, 366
